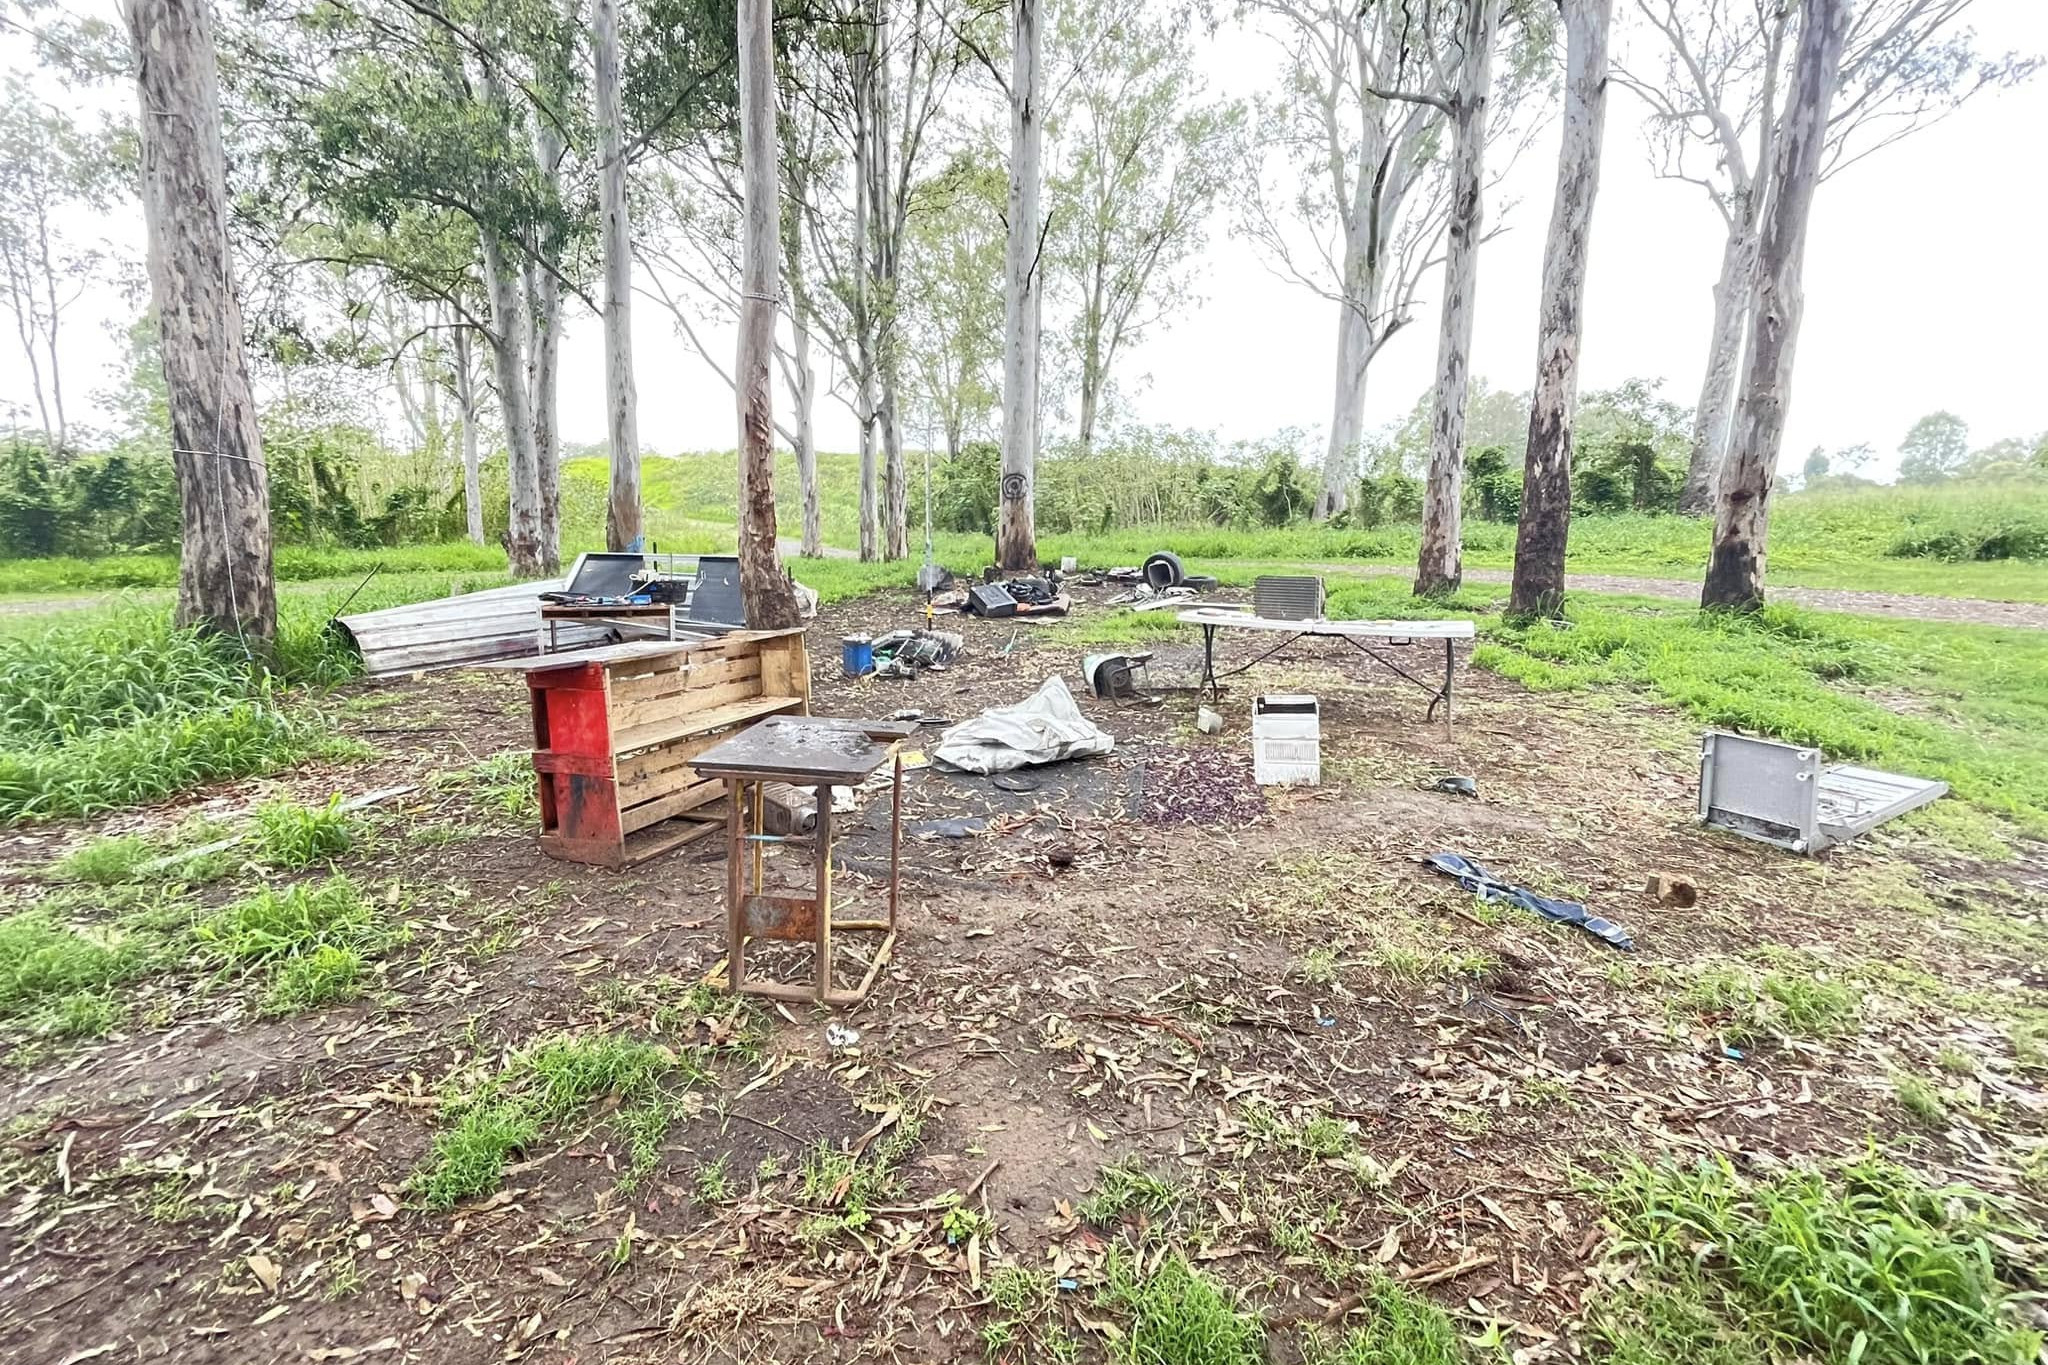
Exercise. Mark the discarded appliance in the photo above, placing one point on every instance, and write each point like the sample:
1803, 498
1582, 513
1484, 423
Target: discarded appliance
1488, 887
856, 656
1287, 740
1781, 794
1046, 727
1115, 677
716, 596
1288, 597
991, 600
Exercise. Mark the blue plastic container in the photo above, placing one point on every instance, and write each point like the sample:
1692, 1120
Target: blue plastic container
857, 655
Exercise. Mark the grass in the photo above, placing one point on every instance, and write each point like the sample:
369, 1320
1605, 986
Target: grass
483, 1125
294, 563
1920, 1099
48, 955
1860, 1266
1177, 1315
1748, 1008
1126, 1188
306, 943
291, 835
1401, 1328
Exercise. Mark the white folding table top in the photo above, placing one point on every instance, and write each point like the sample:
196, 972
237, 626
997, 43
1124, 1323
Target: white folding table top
1398, 630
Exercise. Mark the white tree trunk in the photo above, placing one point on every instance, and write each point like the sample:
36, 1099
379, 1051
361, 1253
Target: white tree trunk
224, 571
1347, 413
1545, 521
806, 391
472, 465
765, 589
1724, 364
895, 478
1735, 569
1440, 566
507, 340
543, 370
863, 300
1016, 522
622, 508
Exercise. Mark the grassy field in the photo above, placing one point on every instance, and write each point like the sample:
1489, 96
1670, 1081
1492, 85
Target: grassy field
1884, 539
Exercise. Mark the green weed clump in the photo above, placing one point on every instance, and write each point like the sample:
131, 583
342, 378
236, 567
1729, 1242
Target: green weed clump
485, 1125
1748, 1008
106, 861
1401, 1328
1178, 1316
307, 943
1864, 1267
290, 835
1127, 1187
46, 957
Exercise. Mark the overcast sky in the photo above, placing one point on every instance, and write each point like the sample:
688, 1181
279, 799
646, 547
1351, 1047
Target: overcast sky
1927, 288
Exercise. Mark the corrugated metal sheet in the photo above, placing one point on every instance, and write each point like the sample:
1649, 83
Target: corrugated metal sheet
472, 628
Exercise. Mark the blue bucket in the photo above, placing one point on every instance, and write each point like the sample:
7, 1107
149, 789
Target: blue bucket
857, 655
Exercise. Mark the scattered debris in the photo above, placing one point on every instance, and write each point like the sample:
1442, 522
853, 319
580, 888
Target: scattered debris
1114, 677
907, 653
1488, 887
952, 827
1163, 570
1456, 785
1209, 722
838, 1035
1046, 727
857, 656
1287, 740
1679, 892
1780, 794
1014, 782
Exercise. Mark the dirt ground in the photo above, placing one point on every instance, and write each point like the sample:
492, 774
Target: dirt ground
1332, 1059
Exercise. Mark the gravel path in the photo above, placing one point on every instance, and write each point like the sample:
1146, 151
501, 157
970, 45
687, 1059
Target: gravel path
1963, 610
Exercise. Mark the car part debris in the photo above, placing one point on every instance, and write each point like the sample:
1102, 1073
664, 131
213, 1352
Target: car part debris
1781, 794
1456, 785
1163, 570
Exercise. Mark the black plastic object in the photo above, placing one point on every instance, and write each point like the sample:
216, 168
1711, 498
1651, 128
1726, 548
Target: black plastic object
716, 598
1163, 571
604, 574
992, 600
1200, 582
1488, 887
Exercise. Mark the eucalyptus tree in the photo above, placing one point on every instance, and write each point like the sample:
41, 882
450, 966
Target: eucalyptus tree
1545, 521
622, 426
1715, 83
225, 580
1359, 204
1735, 566
952, 321
1140, 158
1023, 287
55, 172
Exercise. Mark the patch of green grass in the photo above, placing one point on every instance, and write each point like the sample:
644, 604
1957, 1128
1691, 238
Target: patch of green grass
1748, 1008
82, 1014
291, 835
1400, 1328
329, 974
1177, 1316
503, 782
1920, 1099
1863, 1265
277, 923
1125, 1188
1318, 966
1316, 1134
713, 1180
106, 861
485, 1123
46, 955
1955, 1061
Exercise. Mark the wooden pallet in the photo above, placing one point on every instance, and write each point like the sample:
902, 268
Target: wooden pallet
615, 729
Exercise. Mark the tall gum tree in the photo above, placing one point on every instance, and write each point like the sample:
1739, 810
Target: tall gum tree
1735, 567
225, 580
1023, 285
1713, 75
1545, 521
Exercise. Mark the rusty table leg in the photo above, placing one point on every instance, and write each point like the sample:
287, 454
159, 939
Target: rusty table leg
823, 851
735, 886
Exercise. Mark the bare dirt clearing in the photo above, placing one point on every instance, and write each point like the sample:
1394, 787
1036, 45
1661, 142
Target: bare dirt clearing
1277, 1044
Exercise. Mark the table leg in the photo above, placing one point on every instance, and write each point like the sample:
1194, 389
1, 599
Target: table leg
822, 973
1209, 678
735, 887
1450, 670
895, 842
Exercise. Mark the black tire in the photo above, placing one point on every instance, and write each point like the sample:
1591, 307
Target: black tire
1163, 571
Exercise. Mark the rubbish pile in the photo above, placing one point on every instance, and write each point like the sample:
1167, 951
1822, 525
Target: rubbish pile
1027, 596
907, 653
1046, 727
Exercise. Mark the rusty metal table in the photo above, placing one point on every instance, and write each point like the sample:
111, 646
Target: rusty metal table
819, 753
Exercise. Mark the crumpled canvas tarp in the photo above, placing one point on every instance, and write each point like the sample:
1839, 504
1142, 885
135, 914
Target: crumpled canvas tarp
1044, 728
1488, 887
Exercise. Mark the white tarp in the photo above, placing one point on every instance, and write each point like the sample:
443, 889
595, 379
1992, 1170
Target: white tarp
1044, 728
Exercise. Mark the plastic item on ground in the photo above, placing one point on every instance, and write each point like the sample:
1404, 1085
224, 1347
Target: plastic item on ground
1287, 741
1046, 727
856, 655
1488, 887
